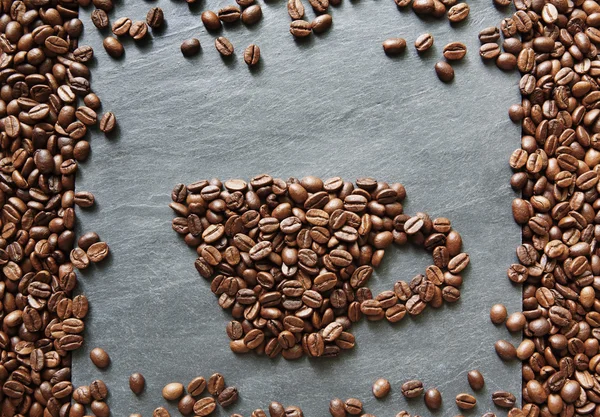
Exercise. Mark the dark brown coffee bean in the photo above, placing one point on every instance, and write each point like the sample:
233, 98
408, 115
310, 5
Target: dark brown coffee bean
138, 30
224, 47
295, 9
433, 399
160, 412
252, 14
97, 252
155, 17
504, 399
444, 71
458, 12
137, 383
190, 47
216, 384
229, 14
353, 406
121, 26
321, 23
100, 358
381, 388
204, 406
228, 396
475, 379
498, 314
465, 401
108, 122
113, 47
100, 19
412, 388
210, 20
394, 46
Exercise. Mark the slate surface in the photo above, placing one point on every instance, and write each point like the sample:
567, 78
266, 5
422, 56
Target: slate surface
334, 105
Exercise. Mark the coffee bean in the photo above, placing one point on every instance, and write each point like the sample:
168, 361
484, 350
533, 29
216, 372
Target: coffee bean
172, 391
489, 35
204, 406
490, 51
444, 71
465, 401
424, 42
228, 396
295, 9
300, 28
121, 26
336, 408
505, 350
321, 23
190, 47
160, 412
138, 30
186, 405
433, 399
423, 7
381, 388
100, 358
319, 6
394, 46
100, 19
412, 388
196, 386
353, 406
137, 382
97, 252
216, 384
229, 14
475, 379
506, 61
455, 51
251, 14
100, 408
113, 47
498, 314
155, 17
98, 390
458, 12
210, 20
504, 399
516, 322
252, 54
224, 47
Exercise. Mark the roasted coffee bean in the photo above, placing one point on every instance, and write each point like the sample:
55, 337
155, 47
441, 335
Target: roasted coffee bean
121, 26
228, 396
381, 388
204, 406
186, 405
160, 412
252, 54
394, 46
490, 50
211, 20
100, 18
465, 401
108, 122
224, 47
455, 51
190, 47
300, 28
504, 399
506, 61
172, 391
216, 384
295, 9
433, 399
458, 12
353, 406
412, 388
113, 47
505, 350
475, 379
229, 14
251, 14
138, 30
444, 71
321, 23
137, 383
155, 17
498, 314
196, 386
424, 42
100, 358
97, 251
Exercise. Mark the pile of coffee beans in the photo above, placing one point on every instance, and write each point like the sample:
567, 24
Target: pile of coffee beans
291, 260
46, 110
554, 44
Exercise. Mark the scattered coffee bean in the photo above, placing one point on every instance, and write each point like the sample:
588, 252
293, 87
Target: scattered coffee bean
216, 384
190, 47
172, 391
137, 383
498, 314
433, 399
381, 388
353, 406
300, 28
444, 71
505, 350
465, 401
138, 30
455, 51
210, 20
394, 46
229, 14
458, 12
100, 358
113, 47
321, 23
412, 388
100, 19
475, 379
506, 61
121, 26
252, 55
160, 412
155, 17
251, 14
186, 405
424, 42
504, 399
224, 47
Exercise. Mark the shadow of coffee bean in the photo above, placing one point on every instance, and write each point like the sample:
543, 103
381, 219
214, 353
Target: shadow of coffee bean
291, 260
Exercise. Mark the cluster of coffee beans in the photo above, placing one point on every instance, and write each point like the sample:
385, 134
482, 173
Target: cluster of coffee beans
123, 26
92, 396
46, 110
291, 260
554, 45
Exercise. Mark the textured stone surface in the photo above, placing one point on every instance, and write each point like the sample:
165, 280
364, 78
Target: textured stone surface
335, 105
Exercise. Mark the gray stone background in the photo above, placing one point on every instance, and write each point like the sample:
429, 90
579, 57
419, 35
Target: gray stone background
333, 105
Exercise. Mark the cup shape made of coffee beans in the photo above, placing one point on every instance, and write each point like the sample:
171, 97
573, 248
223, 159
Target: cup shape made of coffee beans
291, 260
